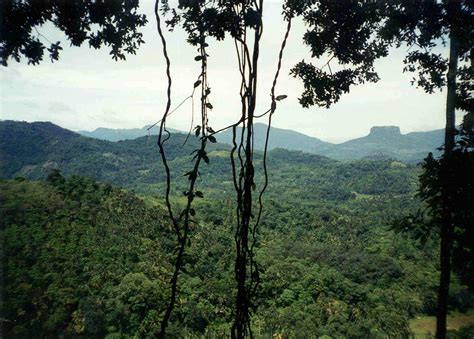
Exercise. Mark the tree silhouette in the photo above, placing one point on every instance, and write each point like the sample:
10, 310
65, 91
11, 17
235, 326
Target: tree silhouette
113, 24
447, 21
450, 179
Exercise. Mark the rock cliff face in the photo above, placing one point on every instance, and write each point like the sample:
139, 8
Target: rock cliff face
384, 131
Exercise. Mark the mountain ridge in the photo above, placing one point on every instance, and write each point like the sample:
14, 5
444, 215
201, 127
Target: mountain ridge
381, 142
31, 151
120, 134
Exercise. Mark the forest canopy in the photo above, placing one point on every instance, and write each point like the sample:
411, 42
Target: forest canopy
342, 209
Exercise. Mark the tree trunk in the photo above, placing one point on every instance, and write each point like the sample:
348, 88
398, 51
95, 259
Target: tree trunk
446, 223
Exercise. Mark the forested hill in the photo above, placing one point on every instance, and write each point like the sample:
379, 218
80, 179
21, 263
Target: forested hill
381, 142
83, 259
32, 150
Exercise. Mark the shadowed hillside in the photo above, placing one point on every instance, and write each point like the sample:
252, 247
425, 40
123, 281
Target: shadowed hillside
32, 150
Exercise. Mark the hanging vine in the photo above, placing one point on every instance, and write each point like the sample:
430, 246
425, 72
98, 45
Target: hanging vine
216, 19
183, 221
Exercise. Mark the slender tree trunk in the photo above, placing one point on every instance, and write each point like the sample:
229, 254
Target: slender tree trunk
446, 223
450, 132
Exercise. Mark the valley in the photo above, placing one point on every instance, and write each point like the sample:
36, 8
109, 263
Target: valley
331, 261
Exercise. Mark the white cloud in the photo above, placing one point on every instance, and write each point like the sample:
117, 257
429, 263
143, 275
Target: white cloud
95, 91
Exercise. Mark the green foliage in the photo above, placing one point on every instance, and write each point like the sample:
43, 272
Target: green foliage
69, 252
448, 184
85, 259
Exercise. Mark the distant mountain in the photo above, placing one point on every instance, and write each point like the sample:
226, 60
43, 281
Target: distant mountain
382, 142
111, 134
23, 144
32, 150
389, 142
281, 138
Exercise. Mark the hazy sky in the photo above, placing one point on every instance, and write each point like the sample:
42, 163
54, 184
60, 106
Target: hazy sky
86, 89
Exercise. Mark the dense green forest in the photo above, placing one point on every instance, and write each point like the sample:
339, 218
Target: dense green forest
86, 258
178, 235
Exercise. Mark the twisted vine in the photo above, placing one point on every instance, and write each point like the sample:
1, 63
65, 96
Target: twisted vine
242, 153
183, 222
241, 156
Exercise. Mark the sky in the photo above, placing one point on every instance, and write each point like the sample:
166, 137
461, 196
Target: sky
86, 89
